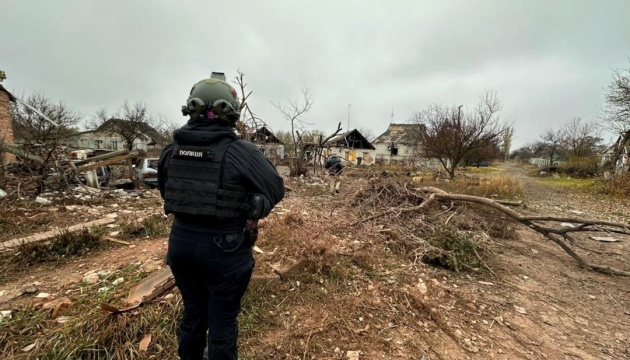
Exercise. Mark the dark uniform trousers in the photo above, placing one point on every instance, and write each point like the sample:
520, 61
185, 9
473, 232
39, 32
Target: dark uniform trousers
212, 272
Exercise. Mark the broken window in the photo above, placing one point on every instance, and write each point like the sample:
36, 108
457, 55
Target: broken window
115, 145
99, 144
394, 150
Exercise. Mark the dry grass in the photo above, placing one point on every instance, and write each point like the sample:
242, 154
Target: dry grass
500, 187
155, 225
90, 333
15, 222
350, 288
58, 250
618, 186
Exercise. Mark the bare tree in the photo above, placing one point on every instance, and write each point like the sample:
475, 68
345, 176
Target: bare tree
580, 138
33, 129
448, 134
166, 128
3, 76
294, 112
249, 122
617, 114
527, 151
552, 141
39, 135
131, 122
367, 133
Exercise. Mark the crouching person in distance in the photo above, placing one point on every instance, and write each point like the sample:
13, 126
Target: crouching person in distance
334, 167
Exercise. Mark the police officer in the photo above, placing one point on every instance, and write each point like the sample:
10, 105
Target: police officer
217, 187
334, 167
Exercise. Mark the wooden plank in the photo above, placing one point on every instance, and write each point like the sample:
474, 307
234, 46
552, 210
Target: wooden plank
102, 157
13, 149
47, 235
93, 166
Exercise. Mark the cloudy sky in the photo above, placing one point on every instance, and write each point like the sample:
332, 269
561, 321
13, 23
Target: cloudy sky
549, 61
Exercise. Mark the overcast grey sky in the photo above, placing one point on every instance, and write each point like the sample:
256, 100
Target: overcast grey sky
549, 61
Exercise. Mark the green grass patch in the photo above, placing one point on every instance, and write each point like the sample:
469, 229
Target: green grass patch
453, 249
573, 183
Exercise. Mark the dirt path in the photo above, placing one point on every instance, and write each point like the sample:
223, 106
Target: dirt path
559, 311
559, 200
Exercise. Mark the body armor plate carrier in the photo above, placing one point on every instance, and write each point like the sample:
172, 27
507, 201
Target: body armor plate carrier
194, 186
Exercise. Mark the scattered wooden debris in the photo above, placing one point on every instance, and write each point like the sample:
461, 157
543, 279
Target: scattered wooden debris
144, 343
146, 290
47, 235
604, 239
109, 238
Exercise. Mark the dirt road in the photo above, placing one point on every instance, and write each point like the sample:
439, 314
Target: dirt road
559, 311
558, 200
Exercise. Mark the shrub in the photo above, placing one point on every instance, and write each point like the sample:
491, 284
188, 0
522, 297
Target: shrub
580, 167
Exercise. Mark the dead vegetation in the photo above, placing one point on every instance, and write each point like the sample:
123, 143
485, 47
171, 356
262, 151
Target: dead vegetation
354, 277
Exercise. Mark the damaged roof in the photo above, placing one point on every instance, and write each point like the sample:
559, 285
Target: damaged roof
351, 139
399, 134
11, 97
264, 135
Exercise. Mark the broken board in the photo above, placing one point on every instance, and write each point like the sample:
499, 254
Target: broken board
605, 239
47, 235
146, 290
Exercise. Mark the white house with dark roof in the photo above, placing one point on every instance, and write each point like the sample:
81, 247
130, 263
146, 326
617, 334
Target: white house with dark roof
351, 146
398, 143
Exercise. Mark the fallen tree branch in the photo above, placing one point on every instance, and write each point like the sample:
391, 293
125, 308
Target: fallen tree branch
426, 203
577, 220
13, 244
558, 236
509, 203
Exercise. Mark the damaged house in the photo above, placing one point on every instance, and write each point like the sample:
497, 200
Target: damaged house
6, 123
268, 143
104, 138
351, 146
398, 143
623, 163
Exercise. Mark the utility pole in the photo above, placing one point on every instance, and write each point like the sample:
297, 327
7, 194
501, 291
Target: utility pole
348, 129
459, 112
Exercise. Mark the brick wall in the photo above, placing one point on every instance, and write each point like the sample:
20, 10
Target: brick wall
6, 125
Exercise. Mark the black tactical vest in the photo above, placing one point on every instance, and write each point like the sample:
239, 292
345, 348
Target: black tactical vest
193, 184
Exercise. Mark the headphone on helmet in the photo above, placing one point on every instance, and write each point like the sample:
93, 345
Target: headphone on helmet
219, 110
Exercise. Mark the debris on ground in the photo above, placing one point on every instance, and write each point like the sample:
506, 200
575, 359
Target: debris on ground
445, 282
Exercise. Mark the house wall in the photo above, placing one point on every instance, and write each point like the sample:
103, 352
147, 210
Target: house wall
622, 165
351, 155
6, 125
272, 151
106, 141
383, 153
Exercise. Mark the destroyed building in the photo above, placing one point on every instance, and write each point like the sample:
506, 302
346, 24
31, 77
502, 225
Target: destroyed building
6, 123
268, 143
398, 143
104, 138
623, 163
352, 146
